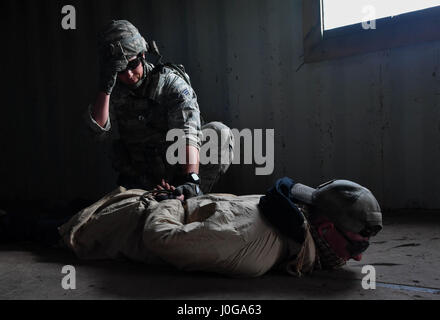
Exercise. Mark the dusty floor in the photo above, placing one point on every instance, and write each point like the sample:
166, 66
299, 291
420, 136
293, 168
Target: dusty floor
405, 254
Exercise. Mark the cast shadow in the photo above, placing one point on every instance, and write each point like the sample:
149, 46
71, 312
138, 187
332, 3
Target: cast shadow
132, 280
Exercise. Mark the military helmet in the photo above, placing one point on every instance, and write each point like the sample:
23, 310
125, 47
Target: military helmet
349, 205
118, 41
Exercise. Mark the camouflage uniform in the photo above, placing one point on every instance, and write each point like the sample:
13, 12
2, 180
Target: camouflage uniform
143, 116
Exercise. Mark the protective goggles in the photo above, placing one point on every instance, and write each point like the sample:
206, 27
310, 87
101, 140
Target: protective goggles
370, 231
133, 64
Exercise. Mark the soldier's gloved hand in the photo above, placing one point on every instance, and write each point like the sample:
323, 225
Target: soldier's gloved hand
189, 190
107, 76
164, 196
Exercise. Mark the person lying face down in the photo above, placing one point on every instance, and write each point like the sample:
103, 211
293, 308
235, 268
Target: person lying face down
341, 216
292, 227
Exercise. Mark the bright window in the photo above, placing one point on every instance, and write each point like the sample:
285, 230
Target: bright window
339, 13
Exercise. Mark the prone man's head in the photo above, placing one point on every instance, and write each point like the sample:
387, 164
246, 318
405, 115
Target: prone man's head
344, 214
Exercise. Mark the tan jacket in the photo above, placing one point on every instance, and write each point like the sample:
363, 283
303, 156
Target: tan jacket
219, 233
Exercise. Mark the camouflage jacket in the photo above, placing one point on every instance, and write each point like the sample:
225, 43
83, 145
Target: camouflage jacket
144, 116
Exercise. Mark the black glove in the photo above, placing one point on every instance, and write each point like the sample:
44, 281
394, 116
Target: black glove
164, 196
189, 190
107, 76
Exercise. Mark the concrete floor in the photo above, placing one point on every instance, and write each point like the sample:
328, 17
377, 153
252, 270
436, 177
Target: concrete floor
405, 254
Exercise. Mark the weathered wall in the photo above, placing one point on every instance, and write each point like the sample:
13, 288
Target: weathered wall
372, 118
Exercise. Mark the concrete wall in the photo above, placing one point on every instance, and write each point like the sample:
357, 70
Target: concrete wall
372, 118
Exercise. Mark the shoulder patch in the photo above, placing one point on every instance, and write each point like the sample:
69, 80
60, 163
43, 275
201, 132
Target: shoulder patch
186, 92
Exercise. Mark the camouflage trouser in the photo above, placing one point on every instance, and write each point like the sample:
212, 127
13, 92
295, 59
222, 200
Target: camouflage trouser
209, 173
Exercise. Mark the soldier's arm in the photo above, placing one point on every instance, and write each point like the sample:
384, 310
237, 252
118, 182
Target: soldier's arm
192, 160
100, 110
184, 114
98, 116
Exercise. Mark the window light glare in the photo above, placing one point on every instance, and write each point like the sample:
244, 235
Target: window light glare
339, 13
